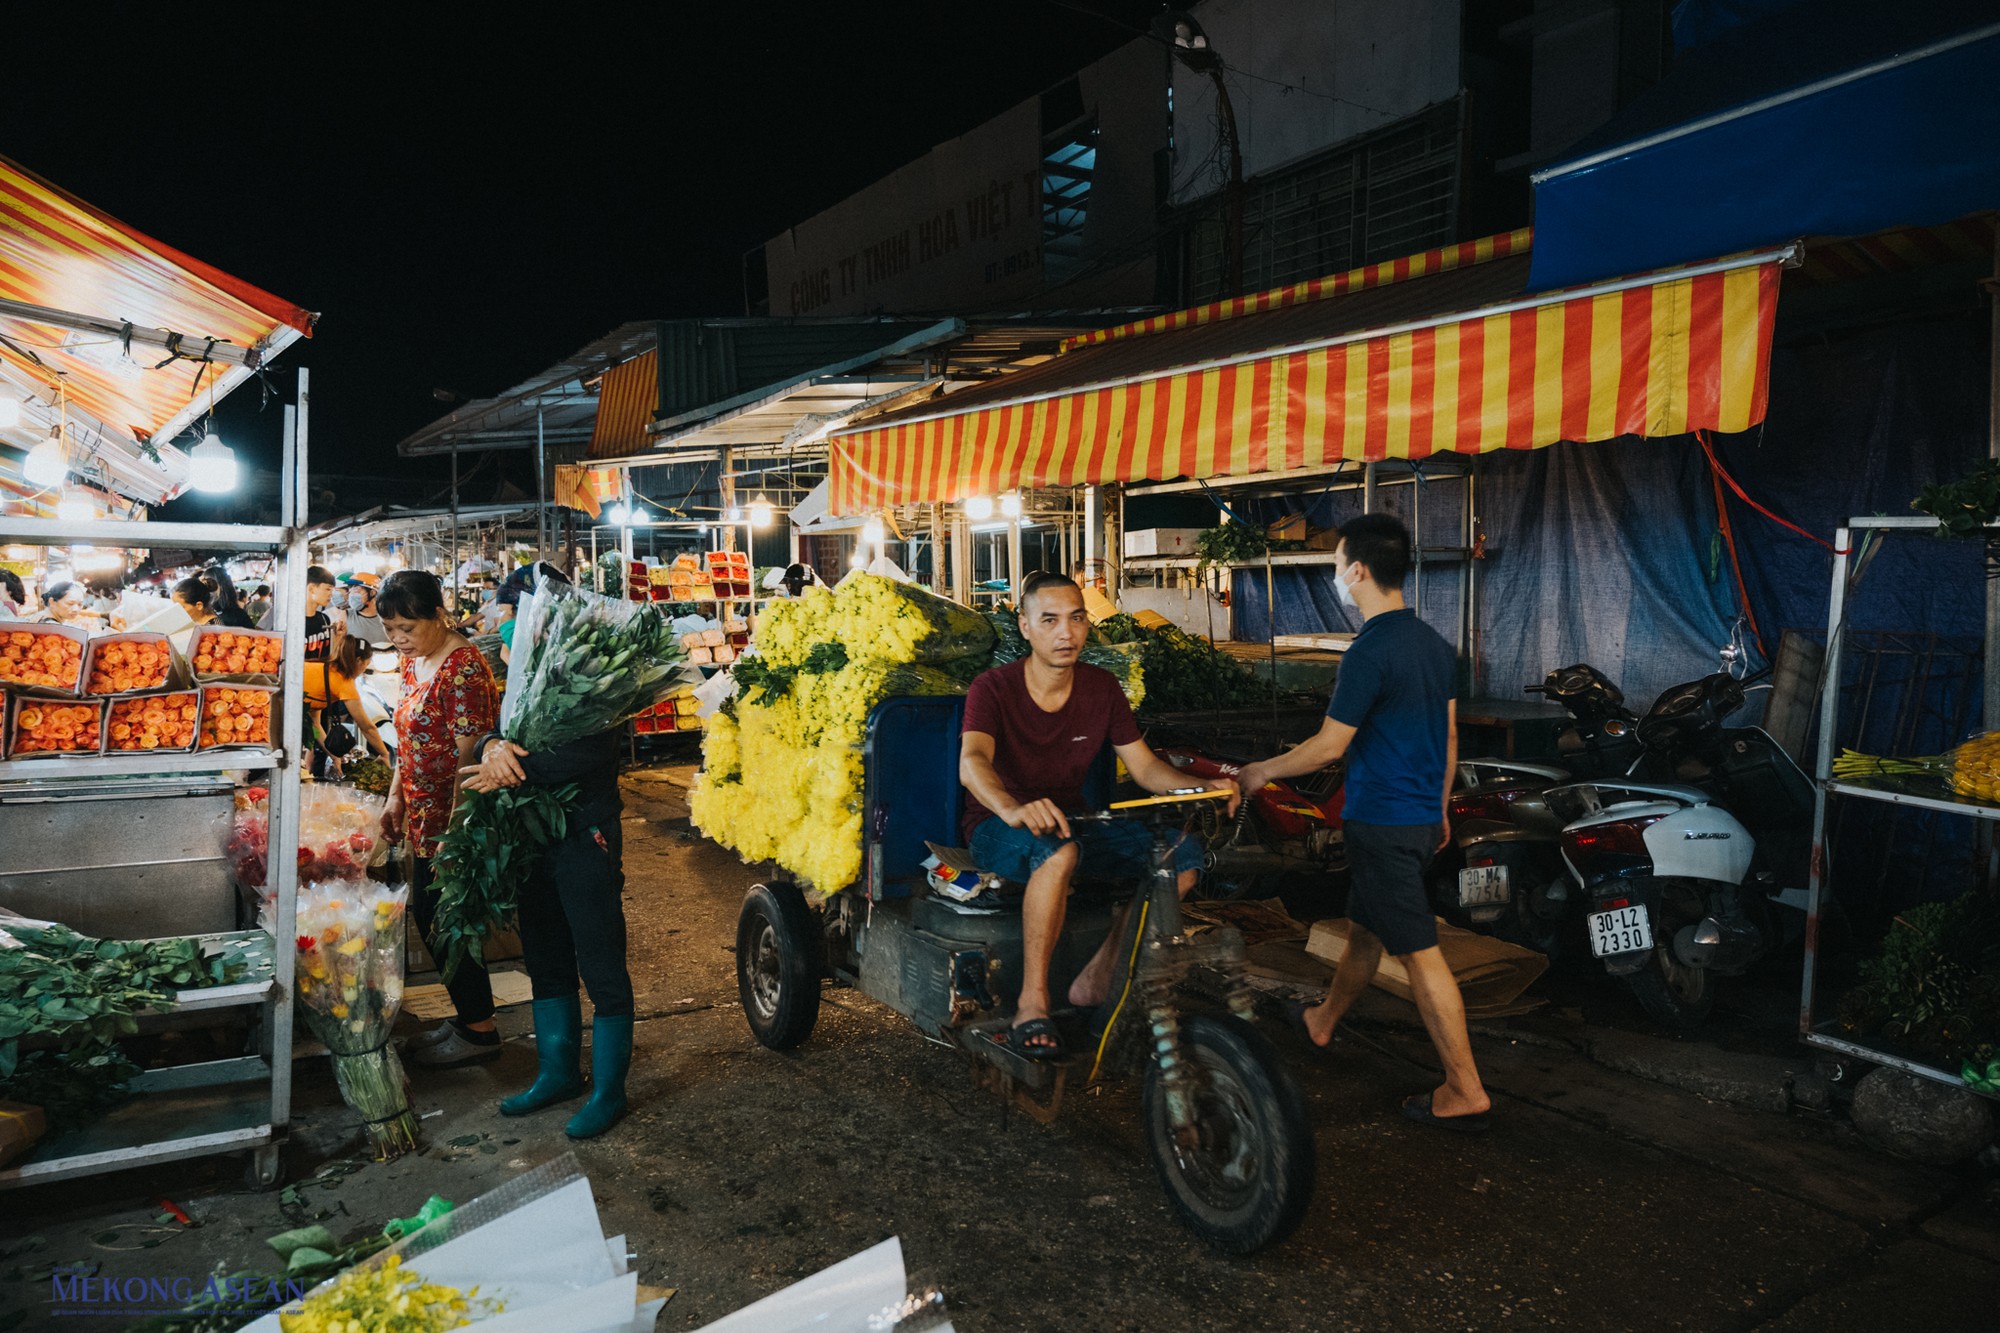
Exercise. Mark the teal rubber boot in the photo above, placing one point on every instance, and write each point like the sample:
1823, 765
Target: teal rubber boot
610, 1061
559, 1048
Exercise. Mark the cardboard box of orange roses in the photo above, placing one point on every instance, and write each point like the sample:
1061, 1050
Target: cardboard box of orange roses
134, 662
41, 657
239, 656
158, 723
40, 728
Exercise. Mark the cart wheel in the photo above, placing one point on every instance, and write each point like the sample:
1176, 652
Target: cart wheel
779, 960
1245, 1182
266, 1167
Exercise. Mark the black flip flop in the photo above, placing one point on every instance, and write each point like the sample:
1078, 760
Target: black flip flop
1418, 1108
1019, 1035
1295, 1015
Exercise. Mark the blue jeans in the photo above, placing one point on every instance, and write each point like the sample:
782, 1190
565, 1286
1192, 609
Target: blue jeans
1119, 850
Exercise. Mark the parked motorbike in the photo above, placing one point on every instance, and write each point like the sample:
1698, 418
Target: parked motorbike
1687, 862
1503, 871
1291, 826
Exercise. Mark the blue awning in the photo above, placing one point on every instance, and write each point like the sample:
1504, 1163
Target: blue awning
1867, 118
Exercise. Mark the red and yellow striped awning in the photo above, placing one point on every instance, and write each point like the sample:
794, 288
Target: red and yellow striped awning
63, 254
626, 397
1409, 360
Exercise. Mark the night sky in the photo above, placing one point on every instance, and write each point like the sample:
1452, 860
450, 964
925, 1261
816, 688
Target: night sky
468, 194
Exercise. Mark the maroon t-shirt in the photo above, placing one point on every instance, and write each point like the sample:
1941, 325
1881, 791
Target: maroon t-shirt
1039, 754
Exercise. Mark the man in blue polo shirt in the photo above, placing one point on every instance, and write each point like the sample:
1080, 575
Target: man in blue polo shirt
1393, 718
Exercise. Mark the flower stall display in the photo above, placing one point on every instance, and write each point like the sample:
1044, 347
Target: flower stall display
245, 656
43, 657
583, 664
129, 663
55, 727
235, 715
350, 985
153, 722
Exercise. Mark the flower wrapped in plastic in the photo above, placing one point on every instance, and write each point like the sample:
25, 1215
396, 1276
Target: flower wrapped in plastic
349, 985
340, 834
583, 664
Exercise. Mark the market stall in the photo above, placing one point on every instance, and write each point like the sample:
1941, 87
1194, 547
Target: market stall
109, 787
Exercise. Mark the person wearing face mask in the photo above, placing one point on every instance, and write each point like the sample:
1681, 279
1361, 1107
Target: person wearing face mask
1393, 719
358, 597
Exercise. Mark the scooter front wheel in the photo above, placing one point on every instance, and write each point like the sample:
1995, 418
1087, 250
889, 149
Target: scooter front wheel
1242, 1178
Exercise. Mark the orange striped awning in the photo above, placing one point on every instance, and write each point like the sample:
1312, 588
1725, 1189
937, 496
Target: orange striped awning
626, 399
1442, 260
1462, 360
63, 255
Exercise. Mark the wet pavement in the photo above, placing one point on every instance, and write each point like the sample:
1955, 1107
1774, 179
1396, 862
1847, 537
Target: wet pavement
1603, 1198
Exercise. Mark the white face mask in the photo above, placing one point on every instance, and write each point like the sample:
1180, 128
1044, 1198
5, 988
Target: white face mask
1344, 588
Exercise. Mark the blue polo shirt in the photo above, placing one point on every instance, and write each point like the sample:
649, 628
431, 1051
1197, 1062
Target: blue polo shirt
1395, 684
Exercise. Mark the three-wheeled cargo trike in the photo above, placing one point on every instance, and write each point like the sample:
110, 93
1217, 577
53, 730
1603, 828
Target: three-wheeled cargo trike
1225, 1123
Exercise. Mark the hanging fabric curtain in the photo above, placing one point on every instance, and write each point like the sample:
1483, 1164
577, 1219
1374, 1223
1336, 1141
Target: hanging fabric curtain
1454, 359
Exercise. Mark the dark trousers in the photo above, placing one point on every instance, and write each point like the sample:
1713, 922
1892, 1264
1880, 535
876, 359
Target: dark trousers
573, 919
470, 988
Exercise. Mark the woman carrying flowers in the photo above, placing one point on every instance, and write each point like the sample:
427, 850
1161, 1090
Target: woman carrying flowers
448, 703
572, 919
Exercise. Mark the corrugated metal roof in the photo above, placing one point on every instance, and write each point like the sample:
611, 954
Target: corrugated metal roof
564, 396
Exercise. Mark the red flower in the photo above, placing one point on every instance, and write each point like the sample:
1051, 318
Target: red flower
306, 943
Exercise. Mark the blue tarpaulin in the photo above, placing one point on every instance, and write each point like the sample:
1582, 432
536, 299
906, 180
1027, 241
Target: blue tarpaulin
1610, 553
1838, 119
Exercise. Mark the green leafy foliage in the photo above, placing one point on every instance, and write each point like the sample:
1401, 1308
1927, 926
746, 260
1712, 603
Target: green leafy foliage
825, 658
370, 775
758, 682
1964, 507
589, 663
484, 858
1935, 987
84, 993
1236, 544
1183, 674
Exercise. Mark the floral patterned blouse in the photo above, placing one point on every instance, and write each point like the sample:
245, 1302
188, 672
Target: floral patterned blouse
458, 701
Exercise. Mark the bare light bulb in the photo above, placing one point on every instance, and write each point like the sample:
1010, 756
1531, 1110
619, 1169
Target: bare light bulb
978, 507
761, 511
1010, 504
45, 464
212, 466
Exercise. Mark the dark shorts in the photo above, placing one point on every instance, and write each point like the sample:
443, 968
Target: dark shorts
1120, 849
1386, 865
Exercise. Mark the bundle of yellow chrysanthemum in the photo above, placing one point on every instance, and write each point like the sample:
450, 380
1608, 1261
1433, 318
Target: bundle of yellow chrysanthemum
1972, 770
781, 767
385, 1299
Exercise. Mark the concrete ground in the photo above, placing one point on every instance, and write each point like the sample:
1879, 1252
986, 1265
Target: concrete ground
1608, 1195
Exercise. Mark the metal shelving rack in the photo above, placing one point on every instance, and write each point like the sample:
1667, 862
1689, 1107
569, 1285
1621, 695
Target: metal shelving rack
216, 1106
1816, 1032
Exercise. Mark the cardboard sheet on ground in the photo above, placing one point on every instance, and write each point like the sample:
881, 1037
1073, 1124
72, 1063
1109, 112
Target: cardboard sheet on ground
1491, 974
433, 1003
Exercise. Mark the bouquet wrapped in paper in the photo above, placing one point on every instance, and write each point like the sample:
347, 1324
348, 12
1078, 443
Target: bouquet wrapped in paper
584, 664
349, 987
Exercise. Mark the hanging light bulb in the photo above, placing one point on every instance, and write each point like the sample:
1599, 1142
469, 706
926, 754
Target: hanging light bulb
619, 515
45, 464
76, 505
873, 532
212, 466
978, 507
1010, 504
760, 512
10, 412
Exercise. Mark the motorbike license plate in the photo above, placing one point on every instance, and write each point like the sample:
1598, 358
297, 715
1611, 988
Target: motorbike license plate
1622, 930
1482, 886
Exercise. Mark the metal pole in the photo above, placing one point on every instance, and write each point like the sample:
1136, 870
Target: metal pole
454, 527
1993, 451
541, 493
1829, 719
1367, 488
